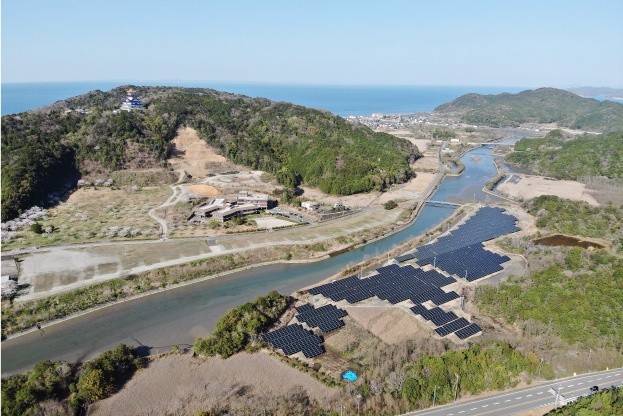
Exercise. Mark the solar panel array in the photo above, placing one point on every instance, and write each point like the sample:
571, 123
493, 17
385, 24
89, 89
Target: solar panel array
392, 283
461, 253
468, 331
294, 338
327, 317
452, 327
447, 322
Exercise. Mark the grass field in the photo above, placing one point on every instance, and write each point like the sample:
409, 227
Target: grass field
93, 214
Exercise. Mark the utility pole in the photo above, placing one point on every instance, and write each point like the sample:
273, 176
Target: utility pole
540, 365
434, 396
463, 298
456, 386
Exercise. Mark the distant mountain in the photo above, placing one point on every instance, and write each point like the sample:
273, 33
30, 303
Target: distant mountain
544, 105
605, 92
44, 149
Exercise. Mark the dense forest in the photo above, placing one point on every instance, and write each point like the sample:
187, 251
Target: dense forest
588, 155
46, 149
544, 105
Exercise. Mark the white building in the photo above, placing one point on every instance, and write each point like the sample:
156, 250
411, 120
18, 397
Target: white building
310, 205
131, 102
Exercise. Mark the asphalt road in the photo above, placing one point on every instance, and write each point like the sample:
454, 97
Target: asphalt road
517, 401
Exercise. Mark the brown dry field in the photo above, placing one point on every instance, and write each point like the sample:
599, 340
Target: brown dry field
194, 155
187, 385
203, 190
534, 186
390, 324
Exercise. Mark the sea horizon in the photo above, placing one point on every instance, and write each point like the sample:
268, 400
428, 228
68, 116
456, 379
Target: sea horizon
343, 100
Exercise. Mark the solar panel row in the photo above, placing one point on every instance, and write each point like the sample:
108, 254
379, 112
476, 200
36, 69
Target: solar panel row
327, 317
446, 297
392, 283
294, 338
461, 253
447, 322
452, 327
468, 331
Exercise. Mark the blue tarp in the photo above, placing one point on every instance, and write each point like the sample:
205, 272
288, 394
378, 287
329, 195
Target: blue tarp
349, 375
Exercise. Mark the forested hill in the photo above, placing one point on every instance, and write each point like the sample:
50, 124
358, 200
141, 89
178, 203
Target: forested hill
571, 158
544, 105
45, 149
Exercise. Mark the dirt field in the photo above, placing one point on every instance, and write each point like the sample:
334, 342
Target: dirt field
186, 385
528, 187
62, 269
268, 222
391, 324
194, 155
203, 190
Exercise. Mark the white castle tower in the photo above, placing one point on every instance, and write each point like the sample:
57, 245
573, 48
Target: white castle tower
131, 102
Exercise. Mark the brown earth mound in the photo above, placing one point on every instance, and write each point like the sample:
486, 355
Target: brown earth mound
205, 190
194, 155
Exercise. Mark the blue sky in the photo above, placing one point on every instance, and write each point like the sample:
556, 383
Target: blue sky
469, 42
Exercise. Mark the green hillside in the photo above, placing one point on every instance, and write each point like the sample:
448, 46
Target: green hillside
588, 155
544, 105
46, 149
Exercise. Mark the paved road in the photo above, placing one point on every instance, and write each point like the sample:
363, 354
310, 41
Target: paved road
517, 401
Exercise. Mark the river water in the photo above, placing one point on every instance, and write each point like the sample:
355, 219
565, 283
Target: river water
177, 317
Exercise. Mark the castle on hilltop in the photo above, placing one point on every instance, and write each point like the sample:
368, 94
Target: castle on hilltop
131, 102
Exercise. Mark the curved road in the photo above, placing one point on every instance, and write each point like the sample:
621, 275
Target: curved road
511, 403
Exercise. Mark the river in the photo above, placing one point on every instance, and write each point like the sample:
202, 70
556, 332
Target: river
178, 316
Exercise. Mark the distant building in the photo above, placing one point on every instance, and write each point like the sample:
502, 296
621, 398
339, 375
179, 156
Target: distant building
260, 200
131, 102
234, 211
220, 210
206, 210
310, 205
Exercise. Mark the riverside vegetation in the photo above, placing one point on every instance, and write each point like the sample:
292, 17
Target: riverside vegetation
240, 327
64, 388
46, 149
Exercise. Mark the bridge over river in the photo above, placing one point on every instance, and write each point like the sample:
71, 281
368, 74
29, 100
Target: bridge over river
443, 204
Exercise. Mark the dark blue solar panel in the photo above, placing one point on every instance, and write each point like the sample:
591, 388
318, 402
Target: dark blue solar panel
468, 331
452, 327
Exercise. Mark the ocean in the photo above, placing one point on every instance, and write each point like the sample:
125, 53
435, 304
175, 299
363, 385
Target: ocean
345, 101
